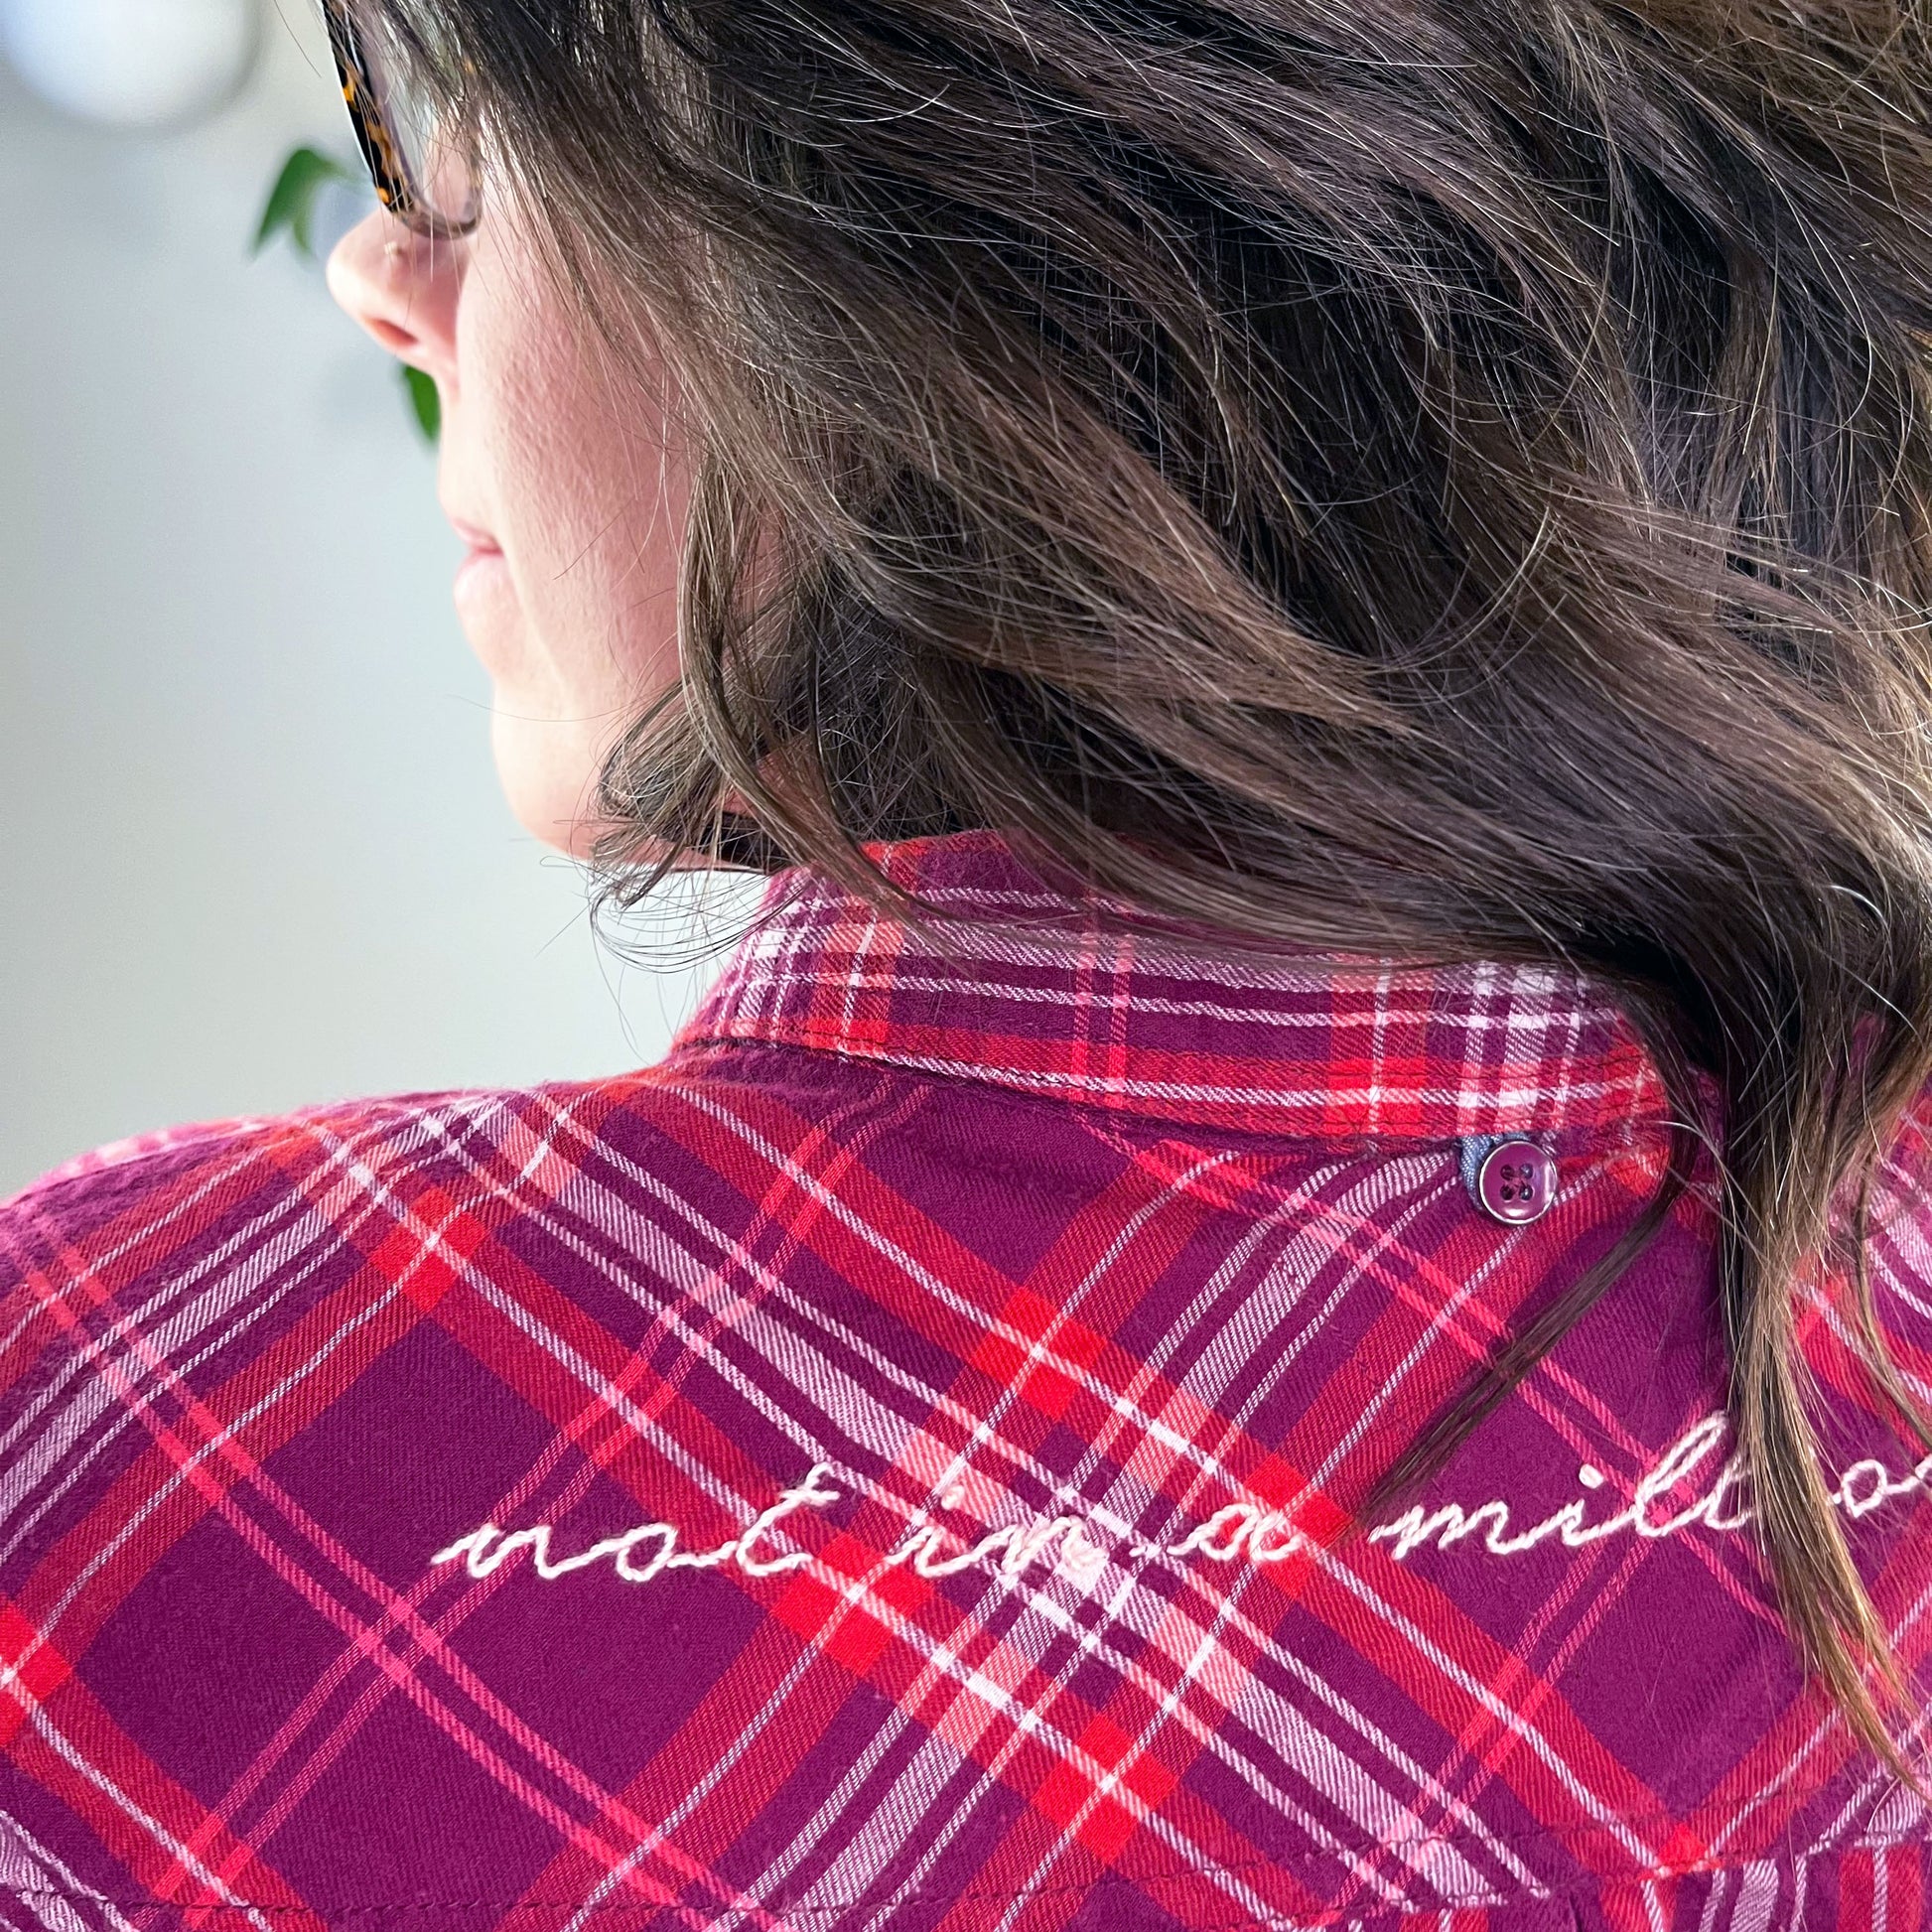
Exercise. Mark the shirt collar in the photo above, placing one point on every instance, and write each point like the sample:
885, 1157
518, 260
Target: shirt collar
1071, 1007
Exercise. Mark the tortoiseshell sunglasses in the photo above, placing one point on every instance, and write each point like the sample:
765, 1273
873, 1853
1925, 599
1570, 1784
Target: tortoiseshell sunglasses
422, 164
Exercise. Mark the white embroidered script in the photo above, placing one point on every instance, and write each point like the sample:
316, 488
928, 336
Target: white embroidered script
1686, 1465
1241, 1532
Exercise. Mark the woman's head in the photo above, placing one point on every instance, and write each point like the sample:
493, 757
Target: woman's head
562, 470
1395, 475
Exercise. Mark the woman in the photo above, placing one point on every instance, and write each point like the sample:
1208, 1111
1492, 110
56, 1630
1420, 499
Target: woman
1288, 1283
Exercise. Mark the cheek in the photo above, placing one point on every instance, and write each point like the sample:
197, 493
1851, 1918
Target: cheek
592, 492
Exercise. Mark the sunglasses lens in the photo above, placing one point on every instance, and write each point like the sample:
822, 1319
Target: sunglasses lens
430, 138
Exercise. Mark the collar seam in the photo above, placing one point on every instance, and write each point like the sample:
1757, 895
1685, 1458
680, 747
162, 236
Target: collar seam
1569, 1138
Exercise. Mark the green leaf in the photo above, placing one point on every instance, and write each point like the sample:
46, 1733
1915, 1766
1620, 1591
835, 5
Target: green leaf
424, 402
291, 205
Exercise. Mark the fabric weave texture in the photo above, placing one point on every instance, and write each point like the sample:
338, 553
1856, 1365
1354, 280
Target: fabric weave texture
897, 1464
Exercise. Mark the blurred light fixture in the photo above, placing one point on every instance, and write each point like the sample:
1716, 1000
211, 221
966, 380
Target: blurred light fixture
132, 63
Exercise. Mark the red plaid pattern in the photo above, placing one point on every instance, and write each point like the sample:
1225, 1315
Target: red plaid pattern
887, 1467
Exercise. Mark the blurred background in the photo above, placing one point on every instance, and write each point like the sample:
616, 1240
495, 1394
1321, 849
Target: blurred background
252, 853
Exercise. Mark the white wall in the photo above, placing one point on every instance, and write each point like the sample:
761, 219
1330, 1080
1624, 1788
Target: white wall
251, 849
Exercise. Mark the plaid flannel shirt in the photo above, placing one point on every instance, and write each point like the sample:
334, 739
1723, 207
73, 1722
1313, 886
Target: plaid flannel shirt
886, 1467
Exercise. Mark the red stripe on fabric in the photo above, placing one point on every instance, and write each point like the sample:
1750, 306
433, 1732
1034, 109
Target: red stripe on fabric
31, 1669
140, 1814
214, 1442
1489, 1707
1055, 1009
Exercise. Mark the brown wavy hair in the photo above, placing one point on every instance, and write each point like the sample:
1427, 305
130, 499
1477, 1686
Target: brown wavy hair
1415, 477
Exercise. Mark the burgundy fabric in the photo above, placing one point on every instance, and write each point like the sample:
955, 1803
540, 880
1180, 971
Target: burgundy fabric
886, 1467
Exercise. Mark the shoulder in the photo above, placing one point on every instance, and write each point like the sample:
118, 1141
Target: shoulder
351, 1280
162, 1192
323, 1214
469, 1143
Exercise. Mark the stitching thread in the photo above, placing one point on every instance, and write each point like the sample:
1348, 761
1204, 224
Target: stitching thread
1240, 1531
1105, 1881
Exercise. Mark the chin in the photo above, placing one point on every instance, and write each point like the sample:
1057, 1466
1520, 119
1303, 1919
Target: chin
549, 779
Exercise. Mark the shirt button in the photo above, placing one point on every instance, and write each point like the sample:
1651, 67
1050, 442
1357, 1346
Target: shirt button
1516, 1183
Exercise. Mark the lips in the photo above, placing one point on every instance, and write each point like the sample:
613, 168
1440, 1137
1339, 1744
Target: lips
477, 540
482, 566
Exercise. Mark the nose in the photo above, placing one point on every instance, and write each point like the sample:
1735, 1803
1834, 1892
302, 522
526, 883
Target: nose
402, 288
